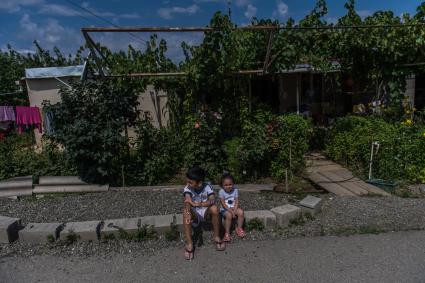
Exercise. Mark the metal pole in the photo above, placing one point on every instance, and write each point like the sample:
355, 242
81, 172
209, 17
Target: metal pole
298, 94
371, 160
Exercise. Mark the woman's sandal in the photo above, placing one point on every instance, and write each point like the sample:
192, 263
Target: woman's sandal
227, 237
240, 232
188, 255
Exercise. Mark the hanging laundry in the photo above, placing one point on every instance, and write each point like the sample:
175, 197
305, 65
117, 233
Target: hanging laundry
7, 114
48, 123
27, 117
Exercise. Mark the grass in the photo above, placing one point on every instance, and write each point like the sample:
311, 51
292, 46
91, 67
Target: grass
255, 224
172, 234
301, 219
71, 238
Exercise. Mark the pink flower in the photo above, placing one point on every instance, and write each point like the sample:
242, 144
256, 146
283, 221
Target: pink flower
197, 125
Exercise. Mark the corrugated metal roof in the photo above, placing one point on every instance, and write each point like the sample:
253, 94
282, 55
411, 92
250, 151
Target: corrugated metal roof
54, 72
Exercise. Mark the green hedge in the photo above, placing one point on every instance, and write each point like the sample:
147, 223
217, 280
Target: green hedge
402, 148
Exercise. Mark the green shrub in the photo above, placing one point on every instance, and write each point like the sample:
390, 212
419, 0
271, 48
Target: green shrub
290, 144
202, 143
402, 148
21, 158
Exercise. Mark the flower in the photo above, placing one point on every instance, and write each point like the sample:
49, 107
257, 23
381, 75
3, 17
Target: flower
408, 122
197, 125
423, 134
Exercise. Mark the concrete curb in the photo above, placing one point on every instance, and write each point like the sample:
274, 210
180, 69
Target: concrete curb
39, 233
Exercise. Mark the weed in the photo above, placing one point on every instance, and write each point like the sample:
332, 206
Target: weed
301, 219
145, 232
109, 237
172, 234
71, 238
255, 224
50, 238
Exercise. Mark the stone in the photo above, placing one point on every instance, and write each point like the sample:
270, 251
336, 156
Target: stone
266, 216
311, 204
129, 225
285, 213
161, 223
60, 180
50, 189
40, 233
85, 231
9, 229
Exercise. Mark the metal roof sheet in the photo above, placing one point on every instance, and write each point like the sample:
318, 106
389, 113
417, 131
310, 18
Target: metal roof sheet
54, 72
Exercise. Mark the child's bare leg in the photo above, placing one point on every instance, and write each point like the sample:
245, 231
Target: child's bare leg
215, 221
187, 224
240, 215
227, 221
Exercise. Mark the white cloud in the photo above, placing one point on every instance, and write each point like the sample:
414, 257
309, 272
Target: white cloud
251, 11
281, 9
242, 3
58, 10
50, 33
364, 13
15, 5
167, 13
66, 11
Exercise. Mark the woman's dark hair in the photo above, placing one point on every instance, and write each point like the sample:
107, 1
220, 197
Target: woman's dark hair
196, 174
226, 175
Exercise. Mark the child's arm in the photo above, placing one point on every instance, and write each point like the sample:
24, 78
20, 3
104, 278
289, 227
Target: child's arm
236, 204
223, 204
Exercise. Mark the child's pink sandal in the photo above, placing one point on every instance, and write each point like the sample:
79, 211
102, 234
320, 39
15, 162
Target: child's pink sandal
227, 237
240, 232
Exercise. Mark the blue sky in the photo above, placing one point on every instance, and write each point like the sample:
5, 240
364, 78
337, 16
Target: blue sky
58, 22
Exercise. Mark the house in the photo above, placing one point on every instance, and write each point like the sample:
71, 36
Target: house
43, 84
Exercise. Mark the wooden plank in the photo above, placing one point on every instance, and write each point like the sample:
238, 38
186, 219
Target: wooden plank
345, 182
327, 185
333, 168
370, 188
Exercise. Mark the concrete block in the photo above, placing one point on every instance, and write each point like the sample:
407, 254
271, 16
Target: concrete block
178, 221
285, 213
15, 192
161, 223
85, 231
130, 225
60, 180
18, 182
9, 228
49, 189
311, 204
266, 216
39, 233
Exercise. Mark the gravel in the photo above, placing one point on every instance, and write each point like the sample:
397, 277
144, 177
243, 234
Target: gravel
340, 216
116, 204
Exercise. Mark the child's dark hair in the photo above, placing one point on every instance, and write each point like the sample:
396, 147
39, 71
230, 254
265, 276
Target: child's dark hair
196, 174
226, 175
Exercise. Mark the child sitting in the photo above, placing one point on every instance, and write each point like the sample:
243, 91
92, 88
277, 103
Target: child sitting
199, 205
230, 207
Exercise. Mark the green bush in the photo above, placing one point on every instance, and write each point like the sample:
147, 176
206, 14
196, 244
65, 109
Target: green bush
156, 155
21, 158
202, 143
402, 148
290, 144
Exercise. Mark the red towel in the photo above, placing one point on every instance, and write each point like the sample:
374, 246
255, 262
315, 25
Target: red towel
27, 116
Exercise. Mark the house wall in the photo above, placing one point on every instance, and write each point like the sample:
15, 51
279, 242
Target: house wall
48, 89
43, 89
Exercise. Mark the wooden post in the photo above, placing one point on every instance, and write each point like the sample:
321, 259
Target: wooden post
286, 181
290, 156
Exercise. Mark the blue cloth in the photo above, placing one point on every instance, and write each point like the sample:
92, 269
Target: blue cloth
48, 123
